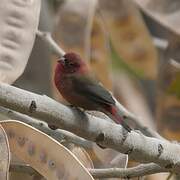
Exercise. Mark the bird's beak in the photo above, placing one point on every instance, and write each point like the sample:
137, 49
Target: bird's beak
61, 60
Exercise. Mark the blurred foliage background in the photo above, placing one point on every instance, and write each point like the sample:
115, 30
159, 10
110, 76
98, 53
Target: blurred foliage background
133, 49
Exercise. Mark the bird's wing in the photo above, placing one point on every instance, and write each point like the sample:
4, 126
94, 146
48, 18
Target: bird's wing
90, 88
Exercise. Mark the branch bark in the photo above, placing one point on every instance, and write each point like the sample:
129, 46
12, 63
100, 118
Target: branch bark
135, 144
58, 134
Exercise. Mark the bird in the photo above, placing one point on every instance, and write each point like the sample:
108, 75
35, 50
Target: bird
73, 79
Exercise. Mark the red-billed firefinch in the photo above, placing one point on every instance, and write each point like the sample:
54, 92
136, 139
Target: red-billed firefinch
74, 81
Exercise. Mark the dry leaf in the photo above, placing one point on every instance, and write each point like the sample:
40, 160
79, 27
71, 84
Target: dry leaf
83, 156
18, 20
43, 153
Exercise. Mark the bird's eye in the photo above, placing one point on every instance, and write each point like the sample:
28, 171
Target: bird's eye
68, 64
66, 61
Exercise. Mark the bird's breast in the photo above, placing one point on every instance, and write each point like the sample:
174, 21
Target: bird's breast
66, 87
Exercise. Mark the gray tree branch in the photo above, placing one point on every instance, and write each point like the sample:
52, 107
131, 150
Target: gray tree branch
139, 147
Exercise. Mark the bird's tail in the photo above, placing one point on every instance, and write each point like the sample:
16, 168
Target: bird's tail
114, 113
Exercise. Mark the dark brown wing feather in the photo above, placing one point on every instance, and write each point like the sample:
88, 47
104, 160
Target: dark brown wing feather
92, 90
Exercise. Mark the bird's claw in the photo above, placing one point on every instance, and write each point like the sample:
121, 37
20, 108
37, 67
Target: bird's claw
71, 106
76, 108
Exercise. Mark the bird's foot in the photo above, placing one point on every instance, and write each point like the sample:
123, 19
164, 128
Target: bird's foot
52, 126
76, 108
71, 106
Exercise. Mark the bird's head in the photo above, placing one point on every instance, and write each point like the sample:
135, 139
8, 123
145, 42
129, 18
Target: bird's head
71, 63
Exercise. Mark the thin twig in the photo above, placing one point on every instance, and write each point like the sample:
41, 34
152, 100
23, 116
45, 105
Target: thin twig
174, 63
136, 120
160, 43
138, 171
46, 36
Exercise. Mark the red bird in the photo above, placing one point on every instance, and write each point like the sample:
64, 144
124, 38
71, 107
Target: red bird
74, 81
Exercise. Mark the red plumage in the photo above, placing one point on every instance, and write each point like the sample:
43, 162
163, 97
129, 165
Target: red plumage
74, 81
